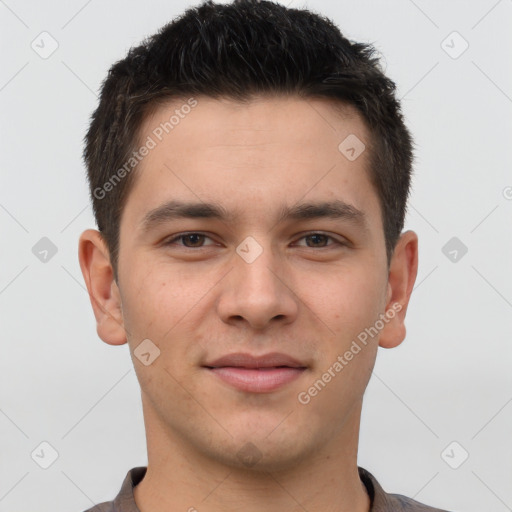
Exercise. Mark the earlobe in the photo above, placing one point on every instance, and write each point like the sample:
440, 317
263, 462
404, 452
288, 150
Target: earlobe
104, 294
402, 276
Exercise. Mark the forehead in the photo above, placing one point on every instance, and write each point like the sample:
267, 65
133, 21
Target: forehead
259, 119
255, 157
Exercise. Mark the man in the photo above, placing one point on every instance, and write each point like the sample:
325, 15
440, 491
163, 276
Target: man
249, 171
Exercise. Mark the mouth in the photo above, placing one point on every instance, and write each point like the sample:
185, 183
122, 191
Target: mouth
256, 374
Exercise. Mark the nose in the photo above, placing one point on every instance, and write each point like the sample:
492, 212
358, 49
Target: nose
258, 294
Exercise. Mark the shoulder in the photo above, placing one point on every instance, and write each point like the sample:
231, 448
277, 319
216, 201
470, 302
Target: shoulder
404, 504
385, 502
107, 506
124, 501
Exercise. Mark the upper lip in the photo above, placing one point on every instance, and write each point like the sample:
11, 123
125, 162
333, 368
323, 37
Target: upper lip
243, 360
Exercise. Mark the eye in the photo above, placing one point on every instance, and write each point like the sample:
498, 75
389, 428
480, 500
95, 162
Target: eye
190, 240
320, 240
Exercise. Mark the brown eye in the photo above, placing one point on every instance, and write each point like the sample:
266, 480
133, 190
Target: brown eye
320, 241
189, 240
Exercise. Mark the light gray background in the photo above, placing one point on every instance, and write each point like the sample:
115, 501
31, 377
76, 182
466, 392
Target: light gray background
449, 381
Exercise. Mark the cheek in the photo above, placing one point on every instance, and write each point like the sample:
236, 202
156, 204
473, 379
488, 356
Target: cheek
347, 301
356, 301
164, 306
156, 297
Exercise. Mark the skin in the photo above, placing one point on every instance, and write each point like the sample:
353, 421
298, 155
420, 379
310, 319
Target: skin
303, 296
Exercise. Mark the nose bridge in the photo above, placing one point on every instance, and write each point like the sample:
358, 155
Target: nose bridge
255, 269
256, 292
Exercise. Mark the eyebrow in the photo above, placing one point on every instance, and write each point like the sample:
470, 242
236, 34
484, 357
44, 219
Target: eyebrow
173, 210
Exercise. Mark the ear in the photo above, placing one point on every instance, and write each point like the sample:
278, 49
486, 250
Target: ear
402, 276
103, 291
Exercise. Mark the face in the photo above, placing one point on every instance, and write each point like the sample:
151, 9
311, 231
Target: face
252, 257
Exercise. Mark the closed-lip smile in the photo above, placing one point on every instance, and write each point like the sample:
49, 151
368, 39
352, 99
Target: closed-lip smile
256, 374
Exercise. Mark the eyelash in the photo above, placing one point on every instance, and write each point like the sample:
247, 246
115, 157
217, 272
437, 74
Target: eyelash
183, 235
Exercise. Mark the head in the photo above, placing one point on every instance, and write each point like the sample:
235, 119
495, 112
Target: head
275, 126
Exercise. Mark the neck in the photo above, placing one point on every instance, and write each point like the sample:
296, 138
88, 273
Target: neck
180, 478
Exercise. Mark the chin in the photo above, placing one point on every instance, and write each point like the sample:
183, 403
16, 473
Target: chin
262, 458
278, 451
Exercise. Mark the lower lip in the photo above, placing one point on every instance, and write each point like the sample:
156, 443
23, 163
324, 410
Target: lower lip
257, 380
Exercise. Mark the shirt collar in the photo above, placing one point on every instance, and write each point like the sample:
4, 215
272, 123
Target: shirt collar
380, 501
